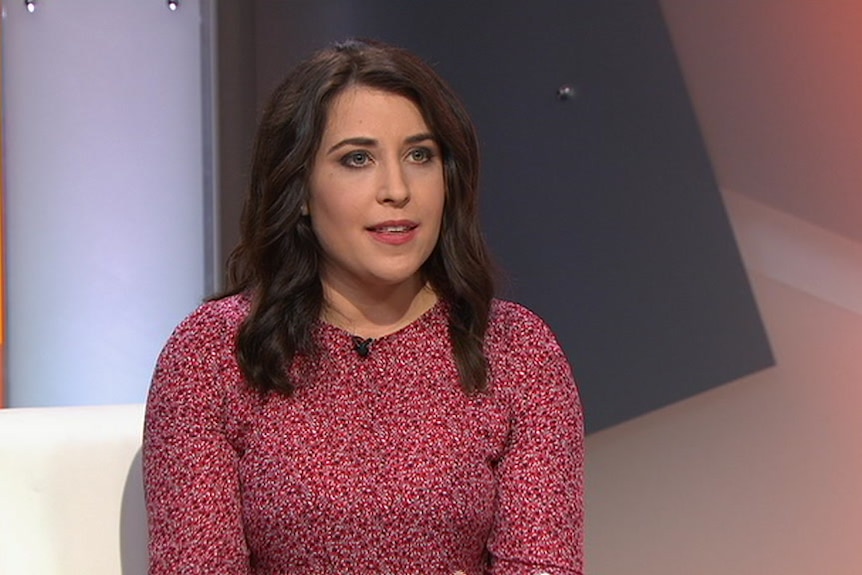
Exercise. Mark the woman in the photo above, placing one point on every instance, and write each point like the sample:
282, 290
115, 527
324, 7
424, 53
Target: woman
358, 402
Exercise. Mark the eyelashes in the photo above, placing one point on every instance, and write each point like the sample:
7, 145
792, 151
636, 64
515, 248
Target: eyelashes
355, 159
421, 155
362, 158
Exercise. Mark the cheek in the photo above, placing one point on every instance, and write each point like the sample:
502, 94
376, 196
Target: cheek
324, 222
442, 203
328, 210
328, 227
435, 195
336, 224
441, 212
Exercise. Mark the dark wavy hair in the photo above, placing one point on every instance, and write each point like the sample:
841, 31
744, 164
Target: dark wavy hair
277, 261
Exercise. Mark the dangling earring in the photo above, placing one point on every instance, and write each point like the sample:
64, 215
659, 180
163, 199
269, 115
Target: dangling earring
303, 211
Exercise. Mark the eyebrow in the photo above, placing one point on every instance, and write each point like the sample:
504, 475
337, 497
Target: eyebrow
370, 142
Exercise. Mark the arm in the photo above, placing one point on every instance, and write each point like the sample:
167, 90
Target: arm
539, 523
190, 467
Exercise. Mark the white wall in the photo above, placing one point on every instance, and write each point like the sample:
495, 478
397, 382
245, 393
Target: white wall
762, 475
105, 205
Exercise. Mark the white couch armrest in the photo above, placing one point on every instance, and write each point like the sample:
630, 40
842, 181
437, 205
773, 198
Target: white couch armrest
71, 492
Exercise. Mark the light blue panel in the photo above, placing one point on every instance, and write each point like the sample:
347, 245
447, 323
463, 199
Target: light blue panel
105, 202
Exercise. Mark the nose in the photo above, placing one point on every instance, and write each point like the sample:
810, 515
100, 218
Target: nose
394, 188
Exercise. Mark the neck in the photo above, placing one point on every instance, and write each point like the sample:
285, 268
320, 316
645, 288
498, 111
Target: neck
375, 313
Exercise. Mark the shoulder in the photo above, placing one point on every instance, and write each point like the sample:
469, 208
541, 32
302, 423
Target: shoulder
228, 311
523, 353
507, 310
511, 322
197, 385
213, 319
206, 338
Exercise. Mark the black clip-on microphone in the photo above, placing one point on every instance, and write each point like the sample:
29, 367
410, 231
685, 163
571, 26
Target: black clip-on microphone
362, 346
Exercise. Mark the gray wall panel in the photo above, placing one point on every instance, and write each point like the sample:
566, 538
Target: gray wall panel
602, 210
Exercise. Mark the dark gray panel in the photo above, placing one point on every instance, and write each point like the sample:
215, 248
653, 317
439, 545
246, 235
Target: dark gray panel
603, 210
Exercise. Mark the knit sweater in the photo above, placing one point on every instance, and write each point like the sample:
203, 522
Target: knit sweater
377, 464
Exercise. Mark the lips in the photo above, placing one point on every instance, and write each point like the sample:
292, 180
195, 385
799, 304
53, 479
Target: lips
394, 232
393, 227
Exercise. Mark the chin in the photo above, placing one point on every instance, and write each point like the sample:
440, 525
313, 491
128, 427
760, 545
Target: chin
392, 278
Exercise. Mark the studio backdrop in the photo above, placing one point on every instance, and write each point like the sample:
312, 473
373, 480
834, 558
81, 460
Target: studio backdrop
107, 198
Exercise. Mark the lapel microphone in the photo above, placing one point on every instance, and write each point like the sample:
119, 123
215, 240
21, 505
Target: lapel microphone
362, 346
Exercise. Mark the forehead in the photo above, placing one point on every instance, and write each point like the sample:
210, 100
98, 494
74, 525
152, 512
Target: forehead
363, 108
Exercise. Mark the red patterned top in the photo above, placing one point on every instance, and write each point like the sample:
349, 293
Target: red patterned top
377, 465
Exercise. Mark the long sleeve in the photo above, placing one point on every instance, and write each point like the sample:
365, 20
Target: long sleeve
377, 464
190, 465
539, 522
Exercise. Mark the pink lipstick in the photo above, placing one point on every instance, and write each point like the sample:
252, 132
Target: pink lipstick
394, 232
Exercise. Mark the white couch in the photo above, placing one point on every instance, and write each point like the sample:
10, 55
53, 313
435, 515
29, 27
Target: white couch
71, 493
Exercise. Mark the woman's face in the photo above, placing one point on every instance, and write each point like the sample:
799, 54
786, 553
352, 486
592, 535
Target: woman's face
376, 192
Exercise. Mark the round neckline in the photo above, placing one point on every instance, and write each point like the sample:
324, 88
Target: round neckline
438, 307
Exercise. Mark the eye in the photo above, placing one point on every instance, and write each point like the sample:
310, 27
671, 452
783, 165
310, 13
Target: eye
356, 159
420, 155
